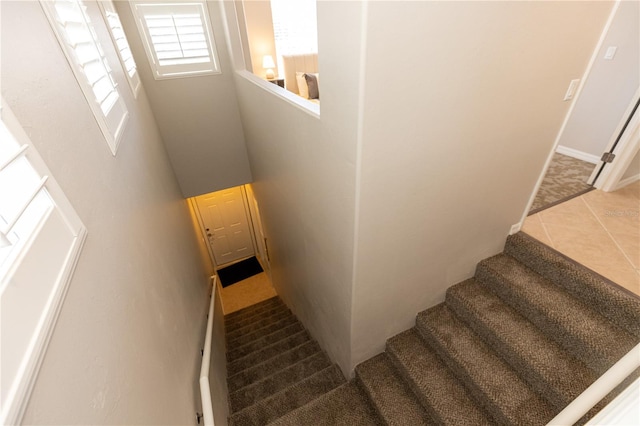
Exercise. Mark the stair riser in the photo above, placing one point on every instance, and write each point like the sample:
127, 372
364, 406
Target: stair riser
428, 392
405, 376
269, 367
492, 383
554, 330
475, 392
251, 310
236, 325
267, 353
260, 333
267, 340
393, 400
289, 399
257, 325
620, 307
519, 363
278, 381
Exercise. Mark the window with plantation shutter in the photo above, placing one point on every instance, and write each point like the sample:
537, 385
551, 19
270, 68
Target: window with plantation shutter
295, 27
41, 238
122, 44
177, 38
74, 31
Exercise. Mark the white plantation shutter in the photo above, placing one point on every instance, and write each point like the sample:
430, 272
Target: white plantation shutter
295, 27
122, 44
178, 38
41, 237
77, 37
25, 202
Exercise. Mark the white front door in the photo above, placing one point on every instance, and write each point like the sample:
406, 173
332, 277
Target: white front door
226, 225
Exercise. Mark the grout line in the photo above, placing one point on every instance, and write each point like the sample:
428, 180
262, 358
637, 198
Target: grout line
628, 259
546, 232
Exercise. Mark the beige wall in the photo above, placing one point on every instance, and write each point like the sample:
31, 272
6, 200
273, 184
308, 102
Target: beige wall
198, 116
419, 164
609, 88
453, 142
126, 346
259, 26
304, 169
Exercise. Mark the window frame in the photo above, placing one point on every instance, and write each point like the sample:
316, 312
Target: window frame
112, 125
134, 80
14, 402
163, 72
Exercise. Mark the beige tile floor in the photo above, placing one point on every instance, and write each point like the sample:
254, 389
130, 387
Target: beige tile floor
246, 293
600, 230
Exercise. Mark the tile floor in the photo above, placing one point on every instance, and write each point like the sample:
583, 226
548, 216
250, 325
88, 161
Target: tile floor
599, 230
246, 293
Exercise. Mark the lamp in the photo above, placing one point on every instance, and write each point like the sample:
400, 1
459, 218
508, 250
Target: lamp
268, 64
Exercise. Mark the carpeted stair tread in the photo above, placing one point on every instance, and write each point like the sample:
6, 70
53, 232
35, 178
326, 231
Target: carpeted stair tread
392, 399
272, 327
294, 396
279, 380
259, 317
268, 352
513, 345
250, 310
620, 306
255, 326
264, 341
254, 311
343, 406
493, 384
546, 366
585, 333
270, 366
440, 392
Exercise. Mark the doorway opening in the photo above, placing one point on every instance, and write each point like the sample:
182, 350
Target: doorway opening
230, 227
601, 228
588, 206
566, 178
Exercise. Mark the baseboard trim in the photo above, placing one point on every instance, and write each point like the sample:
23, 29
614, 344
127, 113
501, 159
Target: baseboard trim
627, 181
580, 155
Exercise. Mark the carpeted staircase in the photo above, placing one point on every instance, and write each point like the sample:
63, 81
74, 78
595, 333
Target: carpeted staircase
513, 345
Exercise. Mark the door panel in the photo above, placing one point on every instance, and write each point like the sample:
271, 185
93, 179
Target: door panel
226, 225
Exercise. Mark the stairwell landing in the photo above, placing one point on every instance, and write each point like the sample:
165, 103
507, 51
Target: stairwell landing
512, 345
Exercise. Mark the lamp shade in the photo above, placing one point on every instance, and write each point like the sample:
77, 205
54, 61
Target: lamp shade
267, 62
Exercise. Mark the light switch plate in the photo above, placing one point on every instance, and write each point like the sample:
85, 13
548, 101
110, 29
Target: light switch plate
610, 53
573, 86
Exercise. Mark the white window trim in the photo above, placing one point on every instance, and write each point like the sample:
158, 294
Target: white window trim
113, 136
133, 80
189, 70
15, 402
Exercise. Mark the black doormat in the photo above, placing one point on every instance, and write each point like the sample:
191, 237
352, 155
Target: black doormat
239, 271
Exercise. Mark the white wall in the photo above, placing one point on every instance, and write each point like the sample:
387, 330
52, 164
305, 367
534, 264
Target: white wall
198, 117
126, 346
453, 141
610, 86
304, 171
634, 167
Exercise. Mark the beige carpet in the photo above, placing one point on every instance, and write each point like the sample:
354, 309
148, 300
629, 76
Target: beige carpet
566, 177
513, 345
